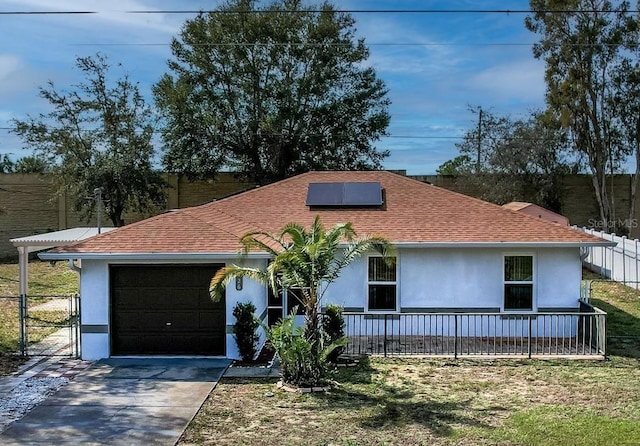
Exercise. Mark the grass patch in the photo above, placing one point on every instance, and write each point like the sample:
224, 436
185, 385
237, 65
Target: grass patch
44, 280
622, 305
9, 326
439, 402
552, 425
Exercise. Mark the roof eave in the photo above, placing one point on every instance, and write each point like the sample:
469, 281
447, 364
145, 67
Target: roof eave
173, 256
263, 255
506, 244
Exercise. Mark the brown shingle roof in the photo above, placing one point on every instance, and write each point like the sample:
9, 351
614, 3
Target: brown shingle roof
414, 212
537, 211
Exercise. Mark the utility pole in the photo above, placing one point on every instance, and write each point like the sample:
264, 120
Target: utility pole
97, 193
478, 162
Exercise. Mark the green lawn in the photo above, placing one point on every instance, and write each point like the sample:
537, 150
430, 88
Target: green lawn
447, 402
438, 402
622, 305
44, 279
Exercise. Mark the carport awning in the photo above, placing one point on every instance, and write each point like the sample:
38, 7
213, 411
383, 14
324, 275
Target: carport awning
54, 239
49, 240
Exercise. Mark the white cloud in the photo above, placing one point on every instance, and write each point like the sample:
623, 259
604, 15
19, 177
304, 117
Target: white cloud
520, 80
16, 78
108, 13
9, 64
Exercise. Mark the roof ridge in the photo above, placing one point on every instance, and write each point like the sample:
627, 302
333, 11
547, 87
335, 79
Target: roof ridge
253, 189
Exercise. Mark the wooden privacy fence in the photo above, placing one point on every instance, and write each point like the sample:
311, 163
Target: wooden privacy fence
620, 263
559, 334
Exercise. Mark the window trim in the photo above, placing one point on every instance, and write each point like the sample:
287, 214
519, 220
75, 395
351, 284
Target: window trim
285, 306
396, 283
532, 282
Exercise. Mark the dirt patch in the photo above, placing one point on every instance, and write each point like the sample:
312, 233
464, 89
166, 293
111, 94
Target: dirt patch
9, 364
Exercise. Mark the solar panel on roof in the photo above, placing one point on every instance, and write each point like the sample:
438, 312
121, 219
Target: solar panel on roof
362, 194
325, 194
344, 194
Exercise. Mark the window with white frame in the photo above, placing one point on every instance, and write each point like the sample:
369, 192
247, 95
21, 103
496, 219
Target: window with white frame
382, 284
295, 298
518, 282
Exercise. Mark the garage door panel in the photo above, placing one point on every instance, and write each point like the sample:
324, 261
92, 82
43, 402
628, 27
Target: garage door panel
183, 320
211, 320
204, 298
128, 298
213, 341
165, 310
125, 279
131, 319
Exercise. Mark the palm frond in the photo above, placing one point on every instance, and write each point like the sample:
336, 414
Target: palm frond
295, 232
250, 240
225, 275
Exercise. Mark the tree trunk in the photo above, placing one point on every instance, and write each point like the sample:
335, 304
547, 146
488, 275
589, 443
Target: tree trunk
634, 187
312, 329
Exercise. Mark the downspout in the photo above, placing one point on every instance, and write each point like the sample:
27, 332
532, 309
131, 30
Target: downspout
73, 266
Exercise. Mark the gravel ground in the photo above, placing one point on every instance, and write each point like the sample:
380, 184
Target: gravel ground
25, 397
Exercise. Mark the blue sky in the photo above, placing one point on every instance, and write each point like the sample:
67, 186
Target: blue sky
434, 64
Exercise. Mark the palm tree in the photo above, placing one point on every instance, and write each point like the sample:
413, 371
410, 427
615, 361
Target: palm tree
305, 260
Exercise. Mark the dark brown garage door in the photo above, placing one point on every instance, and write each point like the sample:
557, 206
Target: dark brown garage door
165, 310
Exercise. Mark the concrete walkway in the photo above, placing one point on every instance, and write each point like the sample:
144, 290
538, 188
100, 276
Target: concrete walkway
121, 402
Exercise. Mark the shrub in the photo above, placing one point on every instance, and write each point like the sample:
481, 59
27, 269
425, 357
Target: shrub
244, 330
300, 363
333, 329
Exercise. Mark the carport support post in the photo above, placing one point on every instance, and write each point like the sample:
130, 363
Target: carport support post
23, 261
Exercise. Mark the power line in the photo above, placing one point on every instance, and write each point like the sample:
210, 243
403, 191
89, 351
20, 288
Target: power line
318, 11
310, 44
47, 12
319, 44
8, 129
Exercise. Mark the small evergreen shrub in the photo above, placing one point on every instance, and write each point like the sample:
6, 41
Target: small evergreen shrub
333, 330
245, 330
300, 364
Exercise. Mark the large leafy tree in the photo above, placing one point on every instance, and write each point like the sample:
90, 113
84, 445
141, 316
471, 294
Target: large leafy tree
304, 259
582, 43
519, 160
626, 100
26, 164
98, 135
32, 164
6, 165
271, 91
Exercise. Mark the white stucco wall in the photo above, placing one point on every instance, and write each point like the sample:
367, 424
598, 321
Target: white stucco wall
253, 292
428, 280
465, 279
94, 309
94, 301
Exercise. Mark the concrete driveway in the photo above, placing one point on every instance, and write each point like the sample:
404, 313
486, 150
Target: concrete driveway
123, 402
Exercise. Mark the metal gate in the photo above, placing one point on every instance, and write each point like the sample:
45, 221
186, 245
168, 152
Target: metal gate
50, 325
